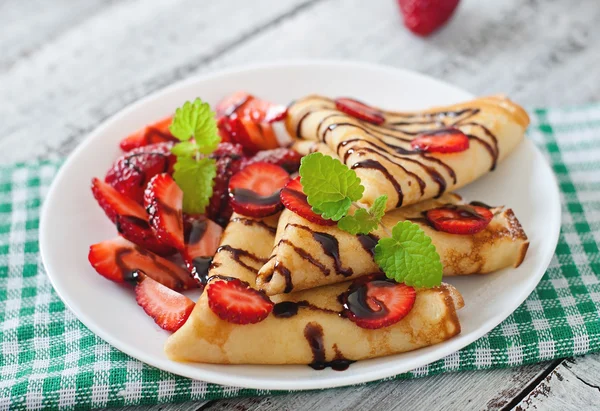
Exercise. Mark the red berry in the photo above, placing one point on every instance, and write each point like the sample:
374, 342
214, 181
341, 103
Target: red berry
116, 259
151, 134
247, 120
164, 201
202, 239
423, 17
462, 219
447, 140
131, 173
283, 157
130, 217
254, 191
236, 302
375, 301
230, 159
294, 199
359, 110
168, 308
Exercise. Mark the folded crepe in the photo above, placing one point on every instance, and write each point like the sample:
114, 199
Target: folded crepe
382, 155
308, 255
304, 327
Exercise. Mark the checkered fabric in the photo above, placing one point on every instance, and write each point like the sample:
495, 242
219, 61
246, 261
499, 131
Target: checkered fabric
50, 360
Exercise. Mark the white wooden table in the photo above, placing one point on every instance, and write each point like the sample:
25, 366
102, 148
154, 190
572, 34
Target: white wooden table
65, 66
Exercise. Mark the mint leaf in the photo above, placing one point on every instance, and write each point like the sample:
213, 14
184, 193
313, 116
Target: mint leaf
185, 149
409, 257
195, 178
364, 221
196, 120
330, 186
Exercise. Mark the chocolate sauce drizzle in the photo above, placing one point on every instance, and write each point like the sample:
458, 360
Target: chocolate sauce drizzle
237, 253
313, 332
245, 196
368, 241
254, 223
376, 165
331, 247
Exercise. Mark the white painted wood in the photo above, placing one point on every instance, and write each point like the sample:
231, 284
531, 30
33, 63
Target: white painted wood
65, 66
573, 385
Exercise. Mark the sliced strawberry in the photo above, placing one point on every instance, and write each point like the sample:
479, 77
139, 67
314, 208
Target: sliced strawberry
247, 120
294, 199
131, 173
151, 134
376, 301
462, 219
230, 159
116, 259
114, 203
130, 217
447, 140
254, 191
359, 110
164, 201
423, 17
202, 238
283, 157
168, 308
236, 302
138, 231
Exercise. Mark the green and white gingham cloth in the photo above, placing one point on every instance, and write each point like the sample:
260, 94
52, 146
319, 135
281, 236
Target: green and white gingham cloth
49, 360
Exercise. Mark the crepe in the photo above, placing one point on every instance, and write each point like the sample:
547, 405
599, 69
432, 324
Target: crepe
316, 334
382, 155
308, 255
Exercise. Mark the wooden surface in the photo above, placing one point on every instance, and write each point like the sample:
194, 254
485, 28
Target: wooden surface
68, 65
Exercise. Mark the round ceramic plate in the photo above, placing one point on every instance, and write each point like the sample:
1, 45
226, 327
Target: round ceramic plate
72, 221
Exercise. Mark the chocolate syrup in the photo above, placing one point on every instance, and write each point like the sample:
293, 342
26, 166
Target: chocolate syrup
355, 299
287, 275
313, 332
368, 241
286, 309
194, 232
331, 247
200, 267
251, 223
305, 254
375, 165
245, 196
480, 204
122, 252
237, 253
139, 222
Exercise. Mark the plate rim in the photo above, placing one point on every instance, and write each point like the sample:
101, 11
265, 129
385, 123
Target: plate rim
230, 379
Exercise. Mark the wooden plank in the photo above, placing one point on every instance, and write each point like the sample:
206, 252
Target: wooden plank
573, 385
56, 95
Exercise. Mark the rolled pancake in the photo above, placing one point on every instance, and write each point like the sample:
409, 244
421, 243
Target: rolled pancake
382, 155
308, 255
316, 334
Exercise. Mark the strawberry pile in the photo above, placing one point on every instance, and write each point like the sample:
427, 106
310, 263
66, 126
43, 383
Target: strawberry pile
162, 250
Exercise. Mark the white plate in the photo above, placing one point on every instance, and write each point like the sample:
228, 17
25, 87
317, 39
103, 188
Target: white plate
71, 221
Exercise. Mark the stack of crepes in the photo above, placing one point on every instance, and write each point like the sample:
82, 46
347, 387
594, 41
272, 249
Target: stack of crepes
315, 273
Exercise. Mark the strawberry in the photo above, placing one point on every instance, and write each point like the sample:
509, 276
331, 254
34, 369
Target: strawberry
129, 216
375, 301
202, 238
168, 308
131, 173
423, 17
462, 219
230, 159
164, 201
151, 134
254, 191
294, 199
138, 231
246, 120
283, 157
447, 140
236, 302
116, 259
359, 110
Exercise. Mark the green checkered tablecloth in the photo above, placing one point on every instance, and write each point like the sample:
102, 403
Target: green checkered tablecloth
50, 360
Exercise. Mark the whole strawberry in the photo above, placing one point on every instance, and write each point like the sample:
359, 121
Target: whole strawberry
423, 17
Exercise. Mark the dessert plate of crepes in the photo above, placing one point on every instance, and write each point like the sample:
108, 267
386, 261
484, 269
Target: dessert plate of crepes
301, 225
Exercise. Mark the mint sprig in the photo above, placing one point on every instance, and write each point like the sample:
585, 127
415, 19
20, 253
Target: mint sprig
364, 221
407, 256
329, 185
195, 126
